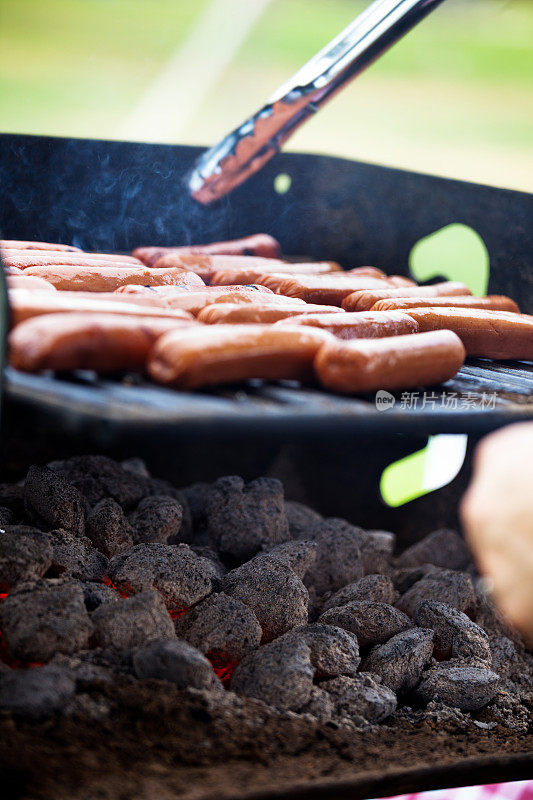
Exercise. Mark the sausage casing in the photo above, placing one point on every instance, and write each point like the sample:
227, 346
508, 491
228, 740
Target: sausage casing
43, 258
22, 244
255, 313
24, 305
195, 301
29, 283
328, 290
361, 325
107, 279
400, 362
212, 355
365, 300
487, 334
103, 342
496, 302
260, 244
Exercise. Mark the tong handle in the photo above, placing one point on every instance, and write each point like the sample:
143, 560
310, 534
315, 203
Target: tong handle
244, 151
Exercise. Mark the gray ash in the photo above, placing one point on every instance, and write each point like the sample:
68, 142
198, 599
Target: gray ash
108, 574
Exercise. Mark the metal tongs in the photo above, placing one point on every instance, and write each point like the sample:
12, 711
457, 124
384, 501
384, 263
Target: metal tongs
244, 151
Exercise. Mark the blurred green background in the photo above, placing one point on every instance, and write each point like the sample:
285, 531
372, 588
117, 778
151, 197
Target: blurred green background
453, 98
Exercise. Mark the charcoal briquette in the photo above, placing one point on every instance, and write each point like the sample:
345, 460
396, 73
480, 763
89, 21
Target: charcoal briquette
362, 698
445, 586
175, 661
53, 502
108, 529
25, 554
241, 518
333, 651
280, 674
465, 688
41, 619
156, 519
456, 636
182, 577
443, 548
76, 556
273, 591
378, 588
132, 622
371, 622
221, 624
400, 661
338, 556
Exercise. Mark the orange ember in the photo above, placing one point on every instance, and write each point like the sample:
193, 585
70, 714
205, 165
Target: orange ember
222, 665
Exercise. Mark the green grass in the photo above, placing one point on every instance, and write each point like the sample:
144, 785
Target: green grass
453, 97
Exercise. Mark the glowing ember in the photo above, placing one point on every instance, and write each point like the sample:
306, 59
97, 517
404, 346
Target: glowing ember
222, 665
176, 613
13, 662
121, 592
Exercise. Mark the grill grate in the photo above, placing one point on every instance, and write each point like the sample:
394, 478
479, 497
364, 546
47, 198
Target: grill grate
483, 395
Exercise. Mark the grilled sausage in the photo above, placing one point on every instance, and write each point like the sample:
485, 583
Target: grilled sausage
29, 283
229, 353
195, 301
363, 272
496, 302
365, 300
206, 266
21, 244
328, 290
487, 334
39, 258
361, 325
15, 272
253, 313
400, 362
260, 244
107, 279
400, 281
24, 305
103, 342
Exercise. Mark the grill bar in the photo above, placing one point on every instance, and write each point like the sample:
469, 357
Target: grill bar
484, 395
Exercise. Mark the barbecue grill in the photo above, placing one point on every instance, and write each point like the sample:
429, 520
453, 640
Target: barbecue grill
328, 450
115, 196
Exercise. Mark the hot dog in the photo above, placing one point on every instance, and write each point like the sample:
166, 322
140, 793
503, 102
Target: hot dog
233, 276
328, 290
24, 305
400, 362
29, 283
487, 334
363, 272
195, 301
107, 279
21, 244
39, 258
261, 244
254, 313
496, 302
103, 342
13, 271
206, 266
361, 325
364, 301
229, 353
400, 280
